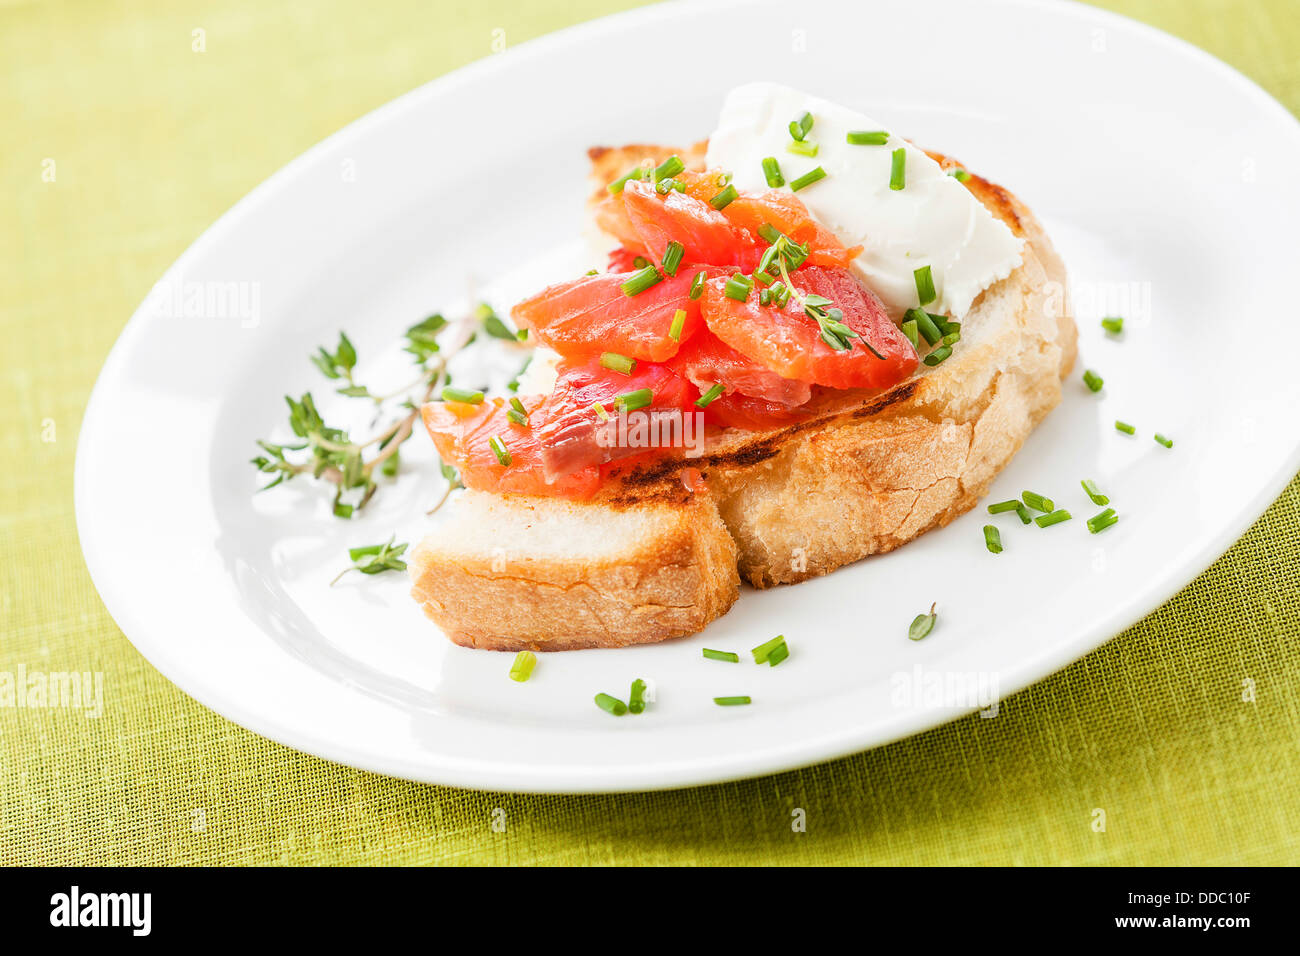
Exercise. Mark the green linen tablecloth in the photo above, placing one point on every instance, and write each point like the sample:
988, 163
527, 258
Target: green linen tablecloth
151, 142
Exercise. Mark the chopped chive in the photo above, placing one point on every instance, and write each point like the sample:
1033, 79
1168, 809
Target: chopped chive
778, 654
992, 539
617, 363
673, 257
636, 697
922, 625
1167, 442
938, 355
1093, 380
946, 327
523, 666
679, 322
725, 198
727, 656
592, 272
952, 338
705, 400
1100, 522
504, 458
731, 701
640, 262
1025, 516
1124, 427
898, 169
1097, 497
763, 650
647, 277
617, 185
960, 175
599, 409
1113, 324
857, 137
924, 284
800, 125
804, 147
669, 167
1010, 504
1038, 502
910, 330
924, 324
463, 395
808, 178
631, 401
1056, 517
765, 297
611, 705
517, 417
697, 286
768, 233
772, 172
738, 287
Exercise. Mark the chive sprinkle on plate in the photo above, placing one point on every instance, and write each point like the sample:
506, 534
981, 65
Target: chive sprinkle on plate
611, 705
771, 652
1093, 380
1090, 487
1113, 324
1167, 442
523, 666
992, 539
1055, 517
636, 698
732, 701
1124, 427
1038, 502
727, 656
1100, 522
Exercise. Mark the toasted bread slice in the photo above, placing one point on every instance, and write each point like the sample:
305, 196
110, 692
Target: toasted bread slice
649, 558
548, 574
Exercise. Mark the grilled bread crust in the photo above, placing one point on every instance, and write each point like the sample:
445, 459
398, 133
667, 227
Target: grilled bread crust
864, 473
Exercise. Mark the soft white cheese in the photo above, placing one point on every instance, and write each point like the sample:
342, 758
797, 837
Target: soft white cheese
933, 220
539, 377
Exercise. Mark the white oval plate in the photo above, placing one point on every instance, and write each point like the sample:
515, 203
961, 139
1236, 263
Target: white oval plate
1167, 180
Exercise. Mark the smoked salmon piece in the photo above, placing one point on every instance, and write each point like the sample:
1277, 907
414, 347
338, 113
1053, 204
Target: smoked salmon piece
462, 434
707, 361
789, 342
574, 435
707, 234
593, 314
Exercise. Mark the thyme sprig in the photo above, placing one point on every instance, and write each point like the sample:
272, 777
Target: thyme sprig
374, 559
352, 465
786, 255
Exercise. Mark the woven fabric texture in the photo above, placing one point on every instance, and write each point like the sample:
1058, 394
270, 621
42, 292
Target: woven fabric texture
152, 141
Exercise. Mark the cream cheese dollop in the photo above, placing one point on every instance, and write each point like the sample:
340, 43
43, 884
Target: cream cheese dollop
933, 220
